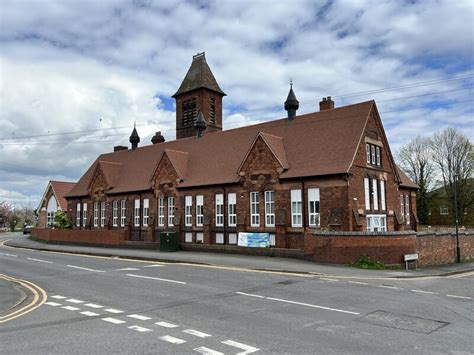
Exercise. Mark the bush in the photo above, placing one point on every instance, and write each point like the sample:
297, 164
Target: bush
62, 220
364, 262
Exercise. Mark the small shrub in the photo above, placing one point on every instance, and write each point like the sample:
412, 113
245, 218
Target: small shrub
364, 262
62, 220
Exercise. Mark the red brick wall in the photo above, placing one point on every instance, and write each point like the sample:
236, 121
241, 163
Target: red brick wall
97, 237
438, 249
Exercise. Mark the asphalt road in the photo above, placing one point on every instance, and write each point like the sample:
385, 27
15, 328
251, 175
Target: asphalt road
105, 305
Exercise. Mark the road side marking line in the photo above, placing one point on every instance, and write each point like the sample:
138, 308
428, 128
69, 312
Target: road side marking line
112, 310
249, 294
154, 265
357, 282
54, 304
428, 292
247, 348
388, 286
72, 300
128, 269
70, 308
206, 351
311, 305
197, 333
157, 278
139, 329
93, 305
137, 316
462, 297
12, 255
167, 325
41, 261
58, 297
113, 320
173, 340
327, 279
84, 268
90, 314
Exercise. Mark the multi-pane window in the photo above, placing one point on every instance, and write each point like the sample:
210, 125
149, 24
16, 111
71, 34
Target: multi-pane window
50, 219
78, 215
146, 211
232, 209
136, 214
376, 223
161, 212
199, 210
296, 209
254, 209
170, 211
377, 155
96, 214
123, 212
407, 208
115, 213
84, 214
402, 205
373, 154
372, 148
219, 210
382, 195
443, 211
313, 207
188, 211
270, 208
367, 153
367, 193
102, 214
375, 194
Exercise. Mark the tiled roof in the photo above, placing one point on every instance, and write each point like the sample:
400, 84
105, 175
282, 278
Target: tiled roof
320, 143
60, 189
405, 180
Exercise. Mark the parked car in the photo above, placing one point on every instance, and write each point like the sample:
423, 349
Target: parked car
27, 229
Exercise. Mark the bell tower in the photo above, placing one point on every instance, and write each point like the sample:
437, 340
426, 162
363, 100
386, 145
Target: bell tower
199, 92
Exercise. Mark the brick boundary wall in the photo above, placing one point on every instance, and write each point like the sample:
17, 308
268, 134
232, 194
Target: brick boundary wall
232, 249
110, 238
440, 248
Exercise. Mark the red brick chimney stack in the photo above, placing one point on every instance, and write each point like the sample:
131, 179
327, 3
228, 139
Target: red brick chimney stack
326, 104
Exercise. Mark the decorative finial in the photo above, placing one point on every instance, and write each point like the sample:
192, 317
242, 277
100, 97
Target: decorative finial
291, 103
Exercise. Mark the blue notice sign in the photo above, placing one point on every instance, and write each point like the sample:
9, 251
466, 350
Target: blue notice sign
254, 240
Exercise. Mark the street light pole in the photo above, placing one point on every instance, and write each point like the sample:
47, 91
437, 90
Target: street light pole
458, 249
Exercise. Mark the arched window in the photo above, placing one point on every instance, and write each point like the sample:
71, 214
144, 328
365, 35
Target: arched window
51, 209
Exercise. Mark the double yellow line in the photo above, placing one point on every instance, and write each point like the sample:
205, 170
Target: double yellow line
39, 297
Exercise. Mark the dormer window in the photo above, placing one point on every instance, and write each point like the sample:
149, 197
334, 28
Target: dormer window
212, 111
189, 112
373, 154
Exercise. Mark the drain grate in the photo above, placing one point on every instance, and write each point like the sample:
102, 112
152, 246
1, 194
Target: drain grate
403, 321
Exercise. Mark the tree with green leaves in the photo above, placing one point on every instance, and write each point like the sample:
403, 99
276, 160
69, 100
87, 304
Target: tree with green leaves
62, 220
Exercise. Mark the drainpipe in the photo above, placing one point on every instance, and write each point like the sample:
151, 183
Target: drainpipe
140, 219
303, 204
224, 211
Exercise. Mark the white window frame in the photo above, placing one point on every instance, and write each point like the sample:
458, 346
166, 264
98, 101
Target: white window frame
372, 148
232, 238
136, 213
146, 212
296, 208
367, 153
123, 212
188, 211
170, 211
313, 207
444, 211
78, 214
96, 214
232, 209
382, 195
254, 209
375, 194
84, 214
367, 193
188, 237
377, 155
115, 213
161, 212
219, 210
199, 211
376, 223
407, 208
199, 237
402, 205
269, 208
102, 214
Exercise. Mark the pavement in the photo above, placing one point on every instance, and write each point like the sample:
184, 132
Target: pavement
11, 295
245, 262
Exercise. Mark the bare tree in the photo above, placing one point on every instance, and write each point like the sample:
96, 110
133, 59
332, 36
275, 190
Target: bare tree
415, 159
454, 156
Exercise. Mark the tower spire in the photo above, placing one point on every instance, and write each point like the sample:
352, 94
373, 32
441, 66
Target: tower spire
291, 103
134, 138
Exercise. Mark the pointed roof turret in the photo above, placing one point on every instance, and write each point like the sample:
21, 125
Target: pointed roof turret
157, 138
291, 103
134, 138
199, 76
200, 124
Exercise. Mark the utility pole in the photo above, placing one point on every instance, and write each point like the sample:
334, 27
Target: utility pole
458, 249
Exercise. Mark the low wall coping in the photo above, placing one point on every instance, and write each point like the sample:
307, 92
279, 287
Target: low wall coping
363, 234
444, 234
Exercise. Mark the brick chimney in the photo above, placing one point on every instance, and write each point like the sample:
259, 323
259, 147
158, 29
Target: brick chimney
118, 148
326, 104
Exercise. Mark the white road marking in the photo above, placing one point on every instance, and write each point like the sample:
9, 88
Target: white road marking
12, 255
70, 308
247, 348
58, 297
154, 265
173, 340
90, 314
113, 320
206, 351
54, 304
139, 329
72, 300
137, 316
197, 333
327, 279
358, 283
462, 297
167, 325
84, 268
157, 278
428, 292
93, 305
249, 294
41, 261
112, 310
128, 269
388, 286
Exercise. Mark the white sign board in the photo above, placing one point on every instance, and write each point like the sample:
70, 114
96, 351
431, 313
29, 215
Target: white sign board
410, 257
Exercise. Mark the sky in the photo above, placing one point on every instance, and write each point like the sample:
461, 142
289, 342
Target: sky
76, 75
